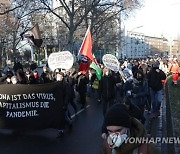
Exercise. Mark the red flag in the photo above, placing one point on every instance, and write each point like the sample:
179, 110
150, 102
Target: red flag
86, 47
86, 52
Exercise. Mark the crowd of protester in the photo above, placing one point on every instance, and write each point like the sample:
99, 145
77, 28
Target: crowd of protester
138, 85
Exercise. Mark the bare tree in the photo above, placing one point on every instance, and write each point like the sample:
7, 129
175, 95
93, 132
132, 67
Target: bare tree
106, 20
72, 14
16, 19
77, 13
74, 17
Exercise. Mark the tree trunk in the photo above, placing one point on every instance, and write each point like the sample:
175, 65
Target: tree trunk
14, 44
71, 37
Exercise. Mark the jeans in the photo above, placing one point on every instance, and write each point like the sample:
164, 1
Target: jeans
156, 98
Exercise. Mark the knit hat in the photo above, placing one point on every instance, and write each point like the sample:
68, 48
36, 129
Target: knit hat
156, 64
118, 115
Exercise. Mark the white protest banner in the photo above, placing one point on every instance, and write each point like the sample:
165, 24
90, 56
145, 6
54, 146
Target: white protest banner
111, 62
63, 59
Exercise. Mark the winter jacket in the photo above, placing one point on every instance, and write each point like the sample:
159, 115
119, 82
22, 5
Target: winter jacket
67, 93
155, 78
139, 90
137, 130
82, 83
107, 87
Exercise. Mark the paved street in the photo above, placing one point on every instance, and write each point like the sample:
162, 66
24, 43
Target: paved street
85, 137
157, 127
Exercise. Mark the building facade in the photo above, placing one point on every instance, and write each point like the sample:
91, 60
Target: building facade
175, 48
139, 45
134, 46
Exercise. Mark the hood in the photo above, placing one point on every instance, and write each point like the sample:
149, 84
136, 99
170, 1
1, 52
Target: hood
137, 130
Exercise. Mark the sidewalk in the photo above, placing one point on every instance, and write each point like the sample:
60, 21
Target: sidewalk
157, 127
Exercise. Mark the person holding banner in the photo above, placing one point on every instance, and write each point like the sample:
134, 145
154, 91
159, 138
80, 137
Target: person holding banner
70, 78
82, 88
66, 99
46, 75
107, 89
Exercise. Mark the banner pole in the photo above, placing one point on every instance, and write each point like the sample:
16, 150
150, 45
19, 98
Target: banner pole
38, 56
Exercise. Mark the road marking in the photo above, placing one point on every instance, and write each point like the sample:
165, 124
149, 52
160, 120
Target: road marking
80, 111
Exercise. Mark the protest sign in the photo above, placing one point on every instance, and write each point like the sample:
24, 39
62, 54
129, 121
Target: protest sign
111, 62
31, 106
63, 59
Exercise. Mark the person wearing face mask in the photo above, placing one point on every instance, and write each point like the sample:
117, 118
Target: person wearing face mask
139, 91
14, 80
107, 89
46, 77
36, 78
66, 98
8, 76
120, 126
82, 81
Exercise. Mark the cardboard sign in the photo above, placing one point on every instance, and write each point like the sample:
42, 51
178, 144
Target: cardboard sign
111, 62
63, 59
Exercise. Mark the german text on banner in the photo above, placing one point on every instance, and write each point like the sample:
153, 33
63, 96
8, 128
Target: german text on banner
31, 106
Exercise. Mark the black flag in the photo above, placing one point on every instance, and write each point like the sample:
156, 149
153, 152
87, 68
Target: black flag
34, 35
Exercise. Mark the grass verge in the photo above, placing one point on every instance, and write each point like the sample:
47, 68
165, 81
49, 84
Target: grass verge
174, 96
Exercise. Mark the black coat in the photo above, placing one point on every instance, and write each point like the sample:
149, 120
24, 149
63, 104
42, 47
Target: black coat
82, 83
107, 87
154, 79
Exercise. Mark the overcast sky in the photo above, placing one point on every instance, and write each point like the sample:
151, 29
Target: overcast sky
157, 17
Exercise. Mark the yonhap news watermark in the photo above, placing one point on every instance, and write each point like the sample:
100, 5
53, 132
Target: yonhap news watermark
154, 140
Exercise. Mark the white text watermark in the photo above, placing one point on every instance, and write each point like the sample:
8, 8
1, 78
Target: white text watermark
154, 140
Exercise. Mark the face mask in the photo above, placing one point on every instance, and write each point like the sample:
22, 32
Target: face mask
14, 81
59, 78
107, 73
8, 80
45, 70
28, 75
115, 140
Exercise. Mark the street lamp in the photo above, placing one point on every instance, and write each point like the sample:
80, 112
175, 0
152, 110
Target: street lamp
136, 28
